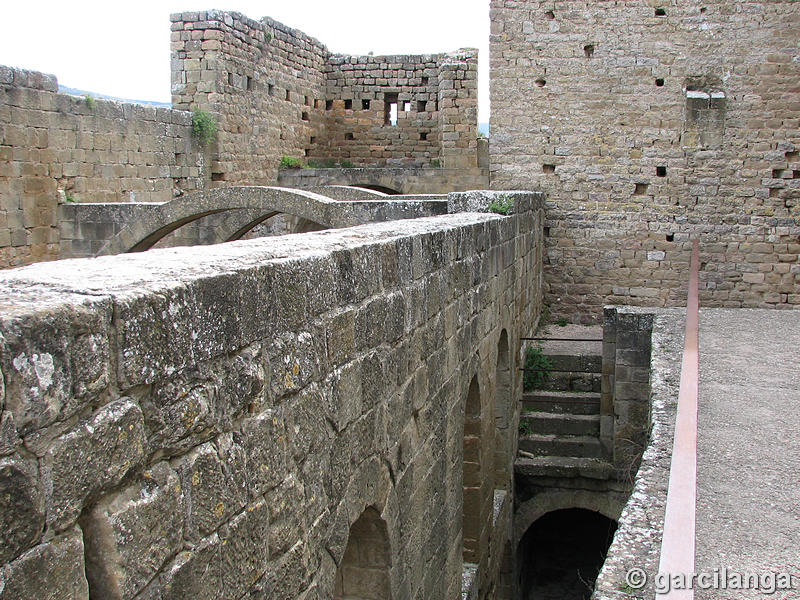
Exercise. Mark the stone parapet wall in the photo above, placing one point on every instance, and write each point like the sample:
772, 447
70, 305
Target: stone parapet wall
403, 180
85, 228
210, 422
56, 147
637, 541
647, 124
224, 215
359, 88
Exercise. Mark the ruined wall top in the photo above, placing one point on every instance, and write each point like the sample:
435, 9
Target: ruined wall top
321, 107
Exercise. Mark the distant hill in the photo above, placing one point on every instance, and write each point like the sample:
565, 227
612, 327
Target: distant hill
76, 92
484, 128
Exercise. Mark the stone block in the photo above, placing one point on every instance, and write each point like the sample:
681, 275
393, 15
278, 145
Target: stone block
263, 439
215, 482
9, 438
286, 577
158, 334
294, 361
94, 456
53, 366
130, 535
21, 507
224, 565
197, 404
341, 337
52, 571
287, 523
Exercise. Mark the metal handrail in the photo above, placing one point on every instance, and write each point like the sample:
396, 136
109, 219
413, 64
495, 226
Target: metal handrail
678, 541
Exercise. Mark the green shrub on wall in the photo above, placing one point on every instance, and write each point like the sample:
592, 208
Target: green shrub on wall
204, 126
503, 205
289, 162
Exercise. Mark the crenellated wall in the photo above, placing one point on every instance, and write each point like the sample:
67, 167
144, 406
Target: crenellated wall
435, 116
163, 415
647, 123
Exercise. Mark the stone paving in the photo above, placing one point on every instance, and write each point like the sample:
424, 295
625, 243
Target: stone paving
748, 498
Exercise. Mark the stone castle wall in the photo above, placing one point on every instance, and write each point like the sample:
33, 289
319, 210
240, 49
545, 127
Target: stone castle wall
274, 91
278, 92
56, 146
163, 415
262, 80
436, 104
647, 123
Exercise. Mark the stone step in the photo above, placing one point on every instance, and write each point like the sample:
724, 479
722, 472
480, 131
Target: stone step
560, 423
577, 381
563, 466
583, 446
573, 403
580, 363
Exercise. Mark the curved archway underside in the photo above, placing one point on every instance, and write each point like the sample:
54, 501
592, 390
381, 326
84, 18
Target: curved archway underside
258, 204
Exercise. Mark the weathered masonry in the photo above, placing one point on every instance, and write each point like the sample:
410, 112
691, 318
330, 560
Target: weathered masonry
273, 92
272, 418
280, 92
57, 148
646, 123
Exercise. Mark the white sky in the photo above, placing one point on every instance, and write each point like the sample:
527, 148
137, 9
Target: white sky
122, 48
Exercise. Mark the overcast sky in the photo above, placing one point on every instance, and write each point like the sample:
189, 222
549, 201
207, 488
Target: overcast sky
122, 48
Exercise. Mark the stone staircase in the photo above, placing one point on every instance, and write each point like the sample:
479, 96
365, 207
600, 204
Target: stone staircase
560, 424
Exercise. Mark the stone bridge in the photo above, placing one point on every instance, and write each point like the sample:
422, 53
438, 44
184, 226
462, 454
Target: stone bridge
287, 417
230, 213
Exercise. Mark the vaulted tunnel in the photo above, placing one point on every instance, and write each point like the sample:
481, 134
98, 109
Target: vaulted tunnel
561, 554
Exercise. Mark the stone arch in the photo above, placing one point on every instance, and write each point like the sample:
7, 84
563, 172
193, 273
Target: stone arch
609, 504
301, 226
364, 572
471, 520
166, 218
503, 413
389, 191
562, 552
347, 192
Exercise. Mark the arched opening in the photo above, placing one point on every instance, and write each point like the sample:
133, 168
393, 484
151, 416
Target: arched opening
379, 188
562, 553
275, 224
153, 238
471, 526
502, 415
363, 573
307, 226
